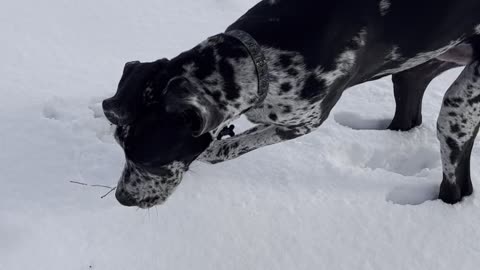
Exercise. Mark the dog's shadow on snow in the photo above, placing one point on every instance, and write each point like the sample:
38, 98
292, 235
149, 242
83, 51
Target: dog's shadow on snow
357, 122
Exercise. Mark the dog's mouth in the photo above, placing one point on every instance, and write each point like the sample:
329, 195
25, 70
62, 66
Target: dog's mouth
141, 188
127, 199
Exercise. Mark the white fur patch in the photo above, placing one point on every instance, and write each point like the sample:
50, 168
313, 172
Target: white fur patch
361, 38
394, 54
384, 7
418, 59
345, 61
477, 29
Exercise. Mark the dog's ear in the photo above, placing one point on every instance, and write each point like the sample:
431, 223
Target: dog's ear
200, 113
129, 66
137, 79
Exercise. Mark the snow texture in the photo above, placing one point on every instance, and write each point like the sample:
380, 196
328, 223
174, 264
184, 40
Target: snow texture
349, 196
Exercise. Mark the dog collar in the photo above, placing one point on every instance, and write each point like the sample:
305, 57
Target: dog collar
261, 67
258, 58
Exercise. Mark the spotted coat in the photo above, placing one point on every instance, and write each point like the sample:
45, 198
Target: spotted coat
315, 50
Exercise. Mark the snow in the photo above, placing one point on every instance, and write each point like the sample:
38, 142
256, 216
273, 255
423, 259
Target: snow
348, 196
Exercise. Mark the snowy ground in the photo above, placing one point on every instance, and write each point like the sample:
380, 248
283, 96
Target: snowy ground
345, 197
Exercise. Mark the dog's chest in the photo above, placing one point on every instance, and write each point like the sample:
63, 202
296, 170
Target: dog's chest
296, 92
287, 108
286, 111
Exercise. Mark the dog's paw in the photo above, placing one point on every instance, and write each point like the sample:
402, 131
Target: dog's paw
209, 158
213, 153
211, 162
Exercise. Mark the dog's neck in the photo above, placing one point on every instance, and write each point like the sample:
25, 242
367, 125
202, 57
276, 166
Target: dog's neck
222, 70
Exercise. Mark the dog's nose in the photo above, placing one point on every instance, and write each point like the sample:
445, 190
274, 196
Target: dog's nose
110, 108
125, 199
117, 113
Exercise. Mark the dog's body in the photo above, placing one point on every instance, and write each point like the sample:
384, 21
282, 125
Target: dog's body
314, 50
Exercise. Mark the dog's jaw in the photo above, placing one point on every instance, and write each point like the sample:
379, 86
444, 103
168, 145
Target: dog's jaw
138, 187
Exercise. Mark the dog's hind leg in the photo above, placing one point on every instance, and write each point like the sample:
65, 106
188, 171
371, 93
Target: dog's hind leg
458, 126
409, 87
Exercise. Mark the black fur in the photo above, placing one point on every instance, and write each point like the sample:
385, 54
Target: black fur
409, 88
168, 112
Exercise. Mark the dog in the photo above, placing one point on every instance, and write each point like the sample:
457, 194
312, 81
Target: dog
284, 65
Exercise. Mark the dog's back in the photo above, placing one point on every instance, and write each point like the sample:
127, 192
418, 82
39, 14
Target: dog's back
394, 31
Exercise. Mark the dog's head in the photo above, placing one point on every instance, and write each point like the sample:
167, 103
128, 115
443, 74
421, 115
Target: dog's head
163, 125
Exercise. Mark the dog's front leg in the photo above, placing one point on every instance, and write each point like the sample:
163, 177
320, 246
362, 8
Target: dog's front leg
259, 136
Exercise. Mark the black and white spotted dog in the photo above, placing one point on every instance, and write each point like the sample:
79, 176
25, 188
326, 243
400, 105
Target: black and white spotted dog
284, 65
